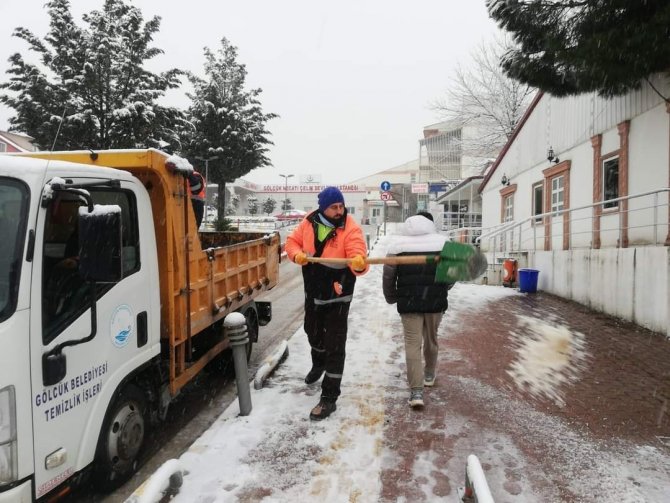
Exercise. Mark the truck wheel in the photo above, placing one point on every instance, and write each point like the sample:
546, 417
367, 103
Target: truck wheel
121, 438
252, 329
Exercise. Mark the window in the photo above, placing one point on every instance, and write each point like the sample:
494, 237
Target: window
351, 210
13, 223
65, 296
3, 147
376, 212
557, 193
611, 182
509, 208
538, 200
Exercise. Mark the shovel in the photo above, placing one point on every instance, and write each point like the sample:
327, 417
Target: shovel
455, 262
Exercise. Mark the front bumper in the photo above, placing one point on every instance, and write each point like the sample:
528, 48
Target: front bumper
18, 494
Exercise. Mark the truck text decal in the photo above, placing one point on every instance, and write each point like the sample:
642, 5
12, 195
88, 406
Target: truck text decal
70, 393
49, 485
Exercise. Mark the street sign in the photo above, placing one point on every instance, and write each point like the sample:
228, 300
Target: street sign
386, 196
419, 188
385, 186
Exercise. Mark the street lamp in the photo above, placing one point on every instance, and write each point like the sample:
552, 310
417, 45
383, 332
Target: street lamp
285, 177
206, 161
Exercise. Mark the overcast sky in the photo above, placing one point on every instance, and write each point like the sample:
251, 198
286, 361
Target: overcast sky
352, 80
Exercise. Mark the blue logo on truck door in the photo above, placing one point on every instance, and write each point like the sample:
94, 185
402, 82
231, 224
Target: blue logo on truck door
121, 328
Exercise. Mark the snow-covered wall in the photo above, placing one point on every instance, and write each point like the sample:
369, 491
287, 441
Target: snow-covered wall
631, 283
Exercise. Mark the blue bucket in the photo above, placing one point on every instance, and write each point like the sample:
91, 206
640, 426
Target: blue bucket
528, 280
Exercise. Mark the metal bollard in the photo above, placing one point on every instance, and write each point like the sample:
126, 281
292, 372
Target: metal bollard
235, 328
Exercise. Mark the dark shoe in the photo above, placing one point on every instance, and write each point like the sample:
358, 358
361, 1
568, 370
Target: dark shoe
314, 375
416, 399
322, 410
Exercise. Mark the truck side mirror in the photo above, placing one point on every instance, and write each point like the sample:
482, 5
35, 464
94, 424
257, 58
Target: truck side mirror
54, 368
100, 244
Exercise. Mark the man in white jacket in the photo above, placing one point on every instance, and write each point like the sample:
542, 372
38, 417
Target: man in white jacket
421, 301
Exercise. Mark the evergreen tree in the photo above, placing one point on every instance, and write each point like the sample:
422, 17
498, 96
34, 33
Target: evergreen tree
93, 77
234, 203
569, 47
228, 121
252, 205
269, 205
286, 204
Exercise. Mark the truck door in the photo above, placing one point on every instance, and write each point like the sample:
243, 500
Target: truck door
68, 415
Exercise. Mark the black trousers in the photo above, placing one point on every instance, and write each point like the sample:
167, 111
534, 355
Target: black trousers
326, 328
199, 210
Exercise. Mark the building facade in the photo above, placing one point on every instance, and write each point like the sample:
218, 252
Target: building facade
580, 192
14, 142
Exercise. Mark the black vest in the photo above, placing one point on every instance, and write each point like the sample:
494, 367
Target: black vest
417, 290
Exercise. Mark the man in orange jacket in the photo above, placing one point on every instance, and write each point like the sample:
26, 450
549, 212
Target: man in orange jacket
198, 188
328, 232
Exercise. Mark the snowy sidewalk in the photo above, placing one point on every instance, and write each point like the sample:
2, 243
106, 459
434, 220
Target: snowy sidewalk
511, 373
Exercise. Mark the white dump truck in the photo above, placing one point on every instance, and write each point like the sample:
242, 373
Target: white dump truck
110, 303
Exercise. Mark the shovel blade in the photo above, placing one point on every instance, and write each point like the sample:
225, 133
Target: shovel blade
459, 262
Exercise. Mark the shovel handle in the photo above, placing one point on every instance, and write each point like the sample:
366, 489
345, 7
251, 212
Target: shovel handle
407, 259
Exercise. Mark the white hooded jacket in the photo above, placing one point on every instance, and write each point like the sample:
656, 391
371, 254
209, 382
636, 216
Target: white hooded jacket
417, 235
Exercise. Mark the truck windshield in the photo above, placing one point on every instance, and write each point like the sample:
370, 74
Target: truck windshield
13, 218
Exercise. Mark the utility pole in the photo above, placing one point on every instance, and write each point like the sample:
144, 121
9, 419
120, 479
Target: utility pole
286, 177
206, 161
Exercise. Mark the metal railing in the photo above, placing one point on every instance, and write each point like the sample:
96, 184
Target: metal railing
630, 220
464, 234
453, 219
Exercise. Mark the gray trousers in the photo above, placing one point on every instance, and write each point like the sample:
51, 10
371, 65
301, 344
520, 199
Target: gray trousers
420, 328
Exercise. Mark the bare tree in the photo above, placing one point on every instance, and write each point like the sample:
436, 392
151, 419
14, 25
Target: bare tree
482, 96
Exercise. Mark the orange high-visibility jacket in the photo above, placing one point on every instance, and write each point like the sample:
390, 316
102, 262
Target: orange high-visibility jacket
197, 185
328, 282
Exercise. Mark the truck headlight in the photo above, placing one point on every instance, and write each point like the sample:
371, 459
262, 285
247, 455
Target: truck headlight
8, 455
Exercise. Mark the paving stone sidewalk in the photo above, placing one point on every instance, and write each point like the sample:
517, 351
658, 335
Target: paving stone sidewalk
604, 433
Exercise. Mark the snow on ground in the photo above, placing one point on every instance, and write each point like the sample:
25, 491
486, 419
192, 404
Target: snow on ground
276, 454
547, 359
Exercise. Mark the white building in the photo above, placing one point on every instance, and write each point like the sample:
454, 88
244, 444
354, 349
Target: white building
452, 152
580, 193
400, 203
452, 162
303, 196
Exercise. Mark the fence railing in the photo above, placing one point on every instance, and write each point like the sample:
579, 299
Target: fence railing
453, 220
638, 219
464, 234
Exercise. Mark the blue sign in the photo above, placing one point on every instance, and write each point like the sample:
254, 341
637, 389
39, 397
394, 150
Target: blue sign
385, 186
437, 187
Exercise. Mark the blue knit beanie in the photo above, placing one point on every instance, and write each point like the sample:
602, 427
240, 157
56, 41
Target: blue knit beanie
328, 196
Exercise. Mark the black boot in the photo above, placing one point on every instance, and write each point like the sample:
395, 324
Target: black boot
314, 375
322, 410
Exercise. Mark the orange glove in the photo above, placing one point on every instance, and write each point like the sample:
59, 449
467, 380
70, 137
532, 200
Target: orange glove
358, 263
300, 258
